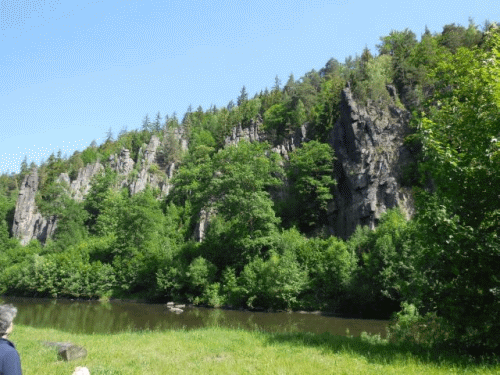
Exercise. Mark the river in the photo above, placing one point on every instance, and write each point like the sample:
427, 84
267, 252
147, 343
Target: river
119, 316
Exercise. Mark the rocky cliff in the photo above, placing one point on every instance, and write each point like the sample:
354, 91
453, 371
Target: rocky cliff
255, 133
370, 159
30, 224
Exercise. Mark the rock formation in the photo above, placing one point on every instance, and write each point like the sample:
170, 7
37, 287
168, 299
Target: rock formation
122, 164
255, 133
368, 144
28, 222
146, 176
252, 133
81, 185
370, 157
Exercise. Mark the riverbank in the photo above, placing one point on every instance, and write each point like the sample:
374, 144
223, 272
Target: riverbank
229, 351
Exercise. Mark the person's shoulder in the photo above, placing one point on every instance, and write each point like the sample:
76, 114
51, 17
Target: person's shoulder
6, 345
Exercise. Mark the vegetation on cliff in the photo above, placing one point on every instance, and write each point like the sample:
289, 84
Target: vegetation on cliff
267, 242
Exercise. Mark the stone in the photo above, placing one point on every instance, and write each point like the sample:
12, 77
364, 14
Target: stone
68, 351
123, 164
175, 310
81, 185
28, 223
72, 352
370, 156
81, 371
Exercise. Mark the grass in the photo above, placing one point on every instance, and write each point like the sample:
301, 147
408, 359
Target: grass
229, 351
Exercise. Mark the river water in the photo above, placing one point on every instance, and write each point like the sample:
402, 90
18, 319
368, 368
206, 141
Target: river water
119, 316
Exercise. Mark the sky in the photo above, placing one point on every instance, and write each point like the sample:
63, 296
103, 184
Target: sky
71, 70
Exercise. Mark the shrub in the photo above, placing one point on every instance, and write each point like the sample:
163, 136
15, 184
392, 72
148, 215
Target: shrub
408, 327
275, 282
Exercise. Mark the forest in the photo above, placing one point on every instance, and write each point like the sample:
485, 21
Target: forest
267, 245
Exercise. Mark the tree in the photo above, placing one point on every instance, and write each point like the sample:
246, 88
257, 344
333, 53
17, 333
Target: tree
146, 124
327, 109
101, 184
157, 123
399, 45
299, 115
243, 98
275, 118
290, 85
139, 242
232, 184
460, 222
123, 131
277, 84
311, 177
249, 110
24, 168
109, 135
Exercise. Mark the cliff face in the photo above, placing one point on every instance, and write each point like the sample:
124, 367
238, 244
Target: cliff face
371, 156
30, 224
255, 133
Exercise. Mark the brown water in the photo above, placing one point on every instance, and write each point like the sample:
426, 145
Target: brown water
118, 316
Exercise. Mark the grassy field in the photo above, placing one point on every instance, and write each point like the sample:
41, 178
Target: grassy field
228, 351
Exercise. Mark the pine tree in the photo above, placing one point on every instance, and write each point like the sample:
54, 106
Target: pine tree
109, 135
146, 123
157, 122
243, 98
277, 84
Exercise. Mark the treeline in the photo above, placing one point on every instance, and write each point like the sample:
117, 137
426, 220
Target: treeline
266, 245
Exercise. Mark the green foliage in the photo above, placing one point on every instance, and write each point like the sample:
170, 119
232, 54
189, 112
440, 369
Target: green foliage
388, 272
409, 328
201, 272
459, 136
90, 155
101, 186
311, 177
231, 183
66, 273
249, 111
6, 207
275, 118
375, 75
331, 265
399, 45
139, 241
275, 282
327, 109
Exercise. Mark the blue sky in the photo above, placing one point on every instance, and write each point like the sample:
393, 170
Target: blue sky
70, 69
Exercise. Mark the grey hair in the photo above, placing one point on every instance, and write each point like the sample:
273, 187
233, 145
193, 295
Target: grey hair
7, 315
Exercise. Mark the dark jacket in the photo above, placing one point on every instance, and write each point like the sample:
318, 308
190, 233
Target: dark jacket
10, 364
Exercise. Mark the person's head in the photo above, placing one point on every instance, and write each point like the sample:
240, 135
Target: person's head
7, 315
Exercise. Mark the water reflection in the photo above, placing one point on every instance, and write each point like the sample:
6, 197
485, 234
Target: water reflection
119, 316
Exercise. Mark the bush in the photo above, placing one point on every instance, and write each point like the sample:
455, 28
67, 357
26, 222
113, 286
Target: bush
409, 328
330, 264
275, 282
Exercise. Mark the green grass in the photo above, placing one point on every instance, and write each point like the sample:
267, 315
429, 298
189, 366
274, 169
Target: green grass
229, 351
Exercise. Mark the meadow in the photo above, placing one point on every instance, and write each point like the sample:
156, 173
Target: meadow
217, 350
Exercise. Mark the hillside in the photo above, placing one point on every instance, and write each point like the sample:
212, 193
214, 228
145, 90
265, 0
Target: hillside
355, 189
